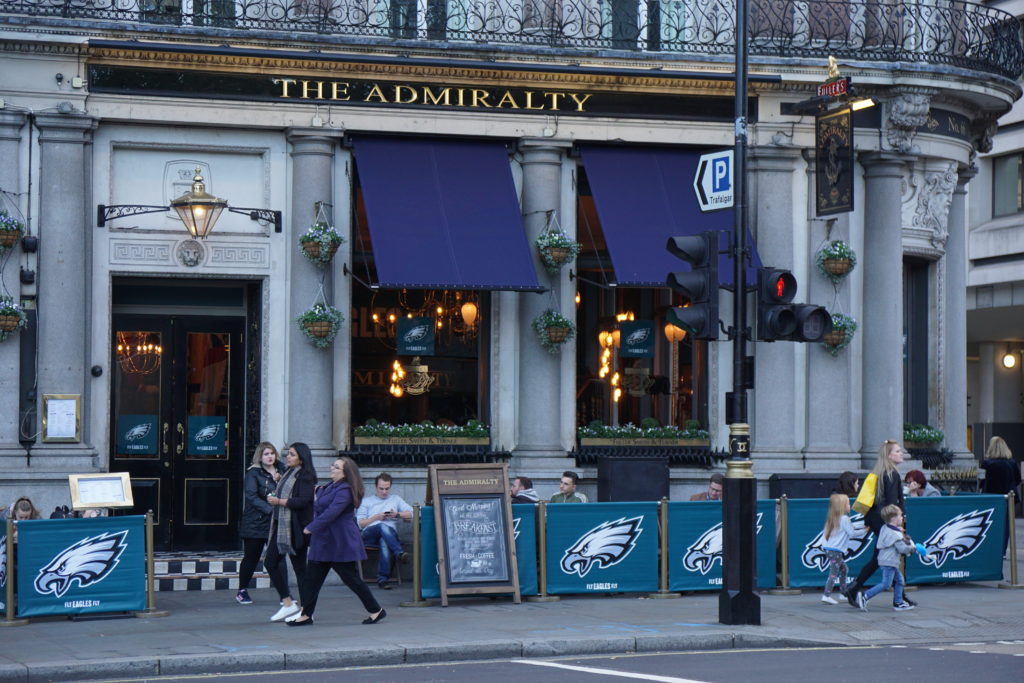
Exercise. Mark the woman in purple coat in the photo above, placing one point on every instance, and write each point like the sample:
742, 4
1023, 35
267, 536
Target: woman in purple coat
335, 542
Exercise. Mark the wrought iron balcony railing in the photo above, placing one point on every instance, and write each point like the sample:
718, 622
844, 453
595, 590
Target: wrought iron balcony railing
935, 32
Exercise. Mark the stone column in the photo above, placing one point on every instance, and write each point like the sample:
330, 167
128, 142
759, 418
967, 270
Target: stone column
986, 382
65, 224
778, 426
954, 395
881, 328
11, 128
538, 431
309, 381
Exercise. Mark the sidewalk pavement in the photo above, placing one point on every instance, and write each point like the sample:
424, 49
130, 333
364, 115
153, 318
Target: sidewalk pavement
207, 632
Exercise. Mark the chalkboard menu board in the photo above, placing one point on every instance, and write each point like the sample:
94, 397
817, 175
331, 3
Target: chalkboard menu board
473, 513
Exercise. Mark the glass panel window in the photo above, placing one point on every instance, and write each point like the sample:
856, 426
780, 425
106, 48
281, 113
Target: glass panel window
138, 367
208, 394
1006, 185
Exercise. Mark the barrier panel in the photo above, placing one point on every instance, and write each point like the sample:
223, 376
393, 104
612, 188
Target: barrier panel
695, 545
602, 547
808, 565
524, 524
963, 537
81, 566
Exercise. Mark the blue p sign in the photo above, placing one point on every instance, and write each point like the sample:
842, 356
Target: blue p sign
720, 175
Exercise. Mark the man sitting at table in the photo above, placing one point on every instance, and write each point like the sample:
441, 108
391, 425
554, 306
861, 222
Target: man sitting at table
378, 518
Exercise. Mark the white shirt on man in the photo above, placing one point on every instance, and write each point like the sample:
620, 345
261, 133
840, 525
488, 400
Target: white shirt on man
373, 505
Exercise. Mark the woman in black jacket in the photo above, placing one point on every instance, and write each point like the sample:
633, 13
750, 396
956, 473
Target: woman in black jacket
260, 481
293, 511
889, 491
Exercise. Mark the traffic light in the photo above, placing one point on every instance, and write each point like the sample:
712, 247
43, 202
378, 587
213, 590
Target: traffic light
778, 319
699, 284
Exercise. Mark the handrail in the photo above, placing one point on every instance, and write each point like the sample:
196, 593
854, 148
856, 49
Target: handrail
930, 32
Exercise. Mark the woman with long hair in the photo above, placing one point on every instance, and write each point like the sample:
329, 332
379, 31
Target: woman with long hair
835, 540
889, 491
335, 543
1002, 474
260, 481
292, 503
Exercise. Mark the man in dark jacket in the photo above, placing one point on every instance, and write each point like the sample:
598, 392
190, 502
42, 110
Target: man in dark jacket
522, 491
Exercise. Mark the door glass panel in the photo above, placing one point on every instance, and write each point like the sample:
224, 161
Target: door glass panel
138, 368
208, 394
207, 501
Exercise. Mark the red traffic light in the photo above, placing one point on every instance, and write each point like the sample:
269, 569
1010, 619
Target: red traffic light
776, 285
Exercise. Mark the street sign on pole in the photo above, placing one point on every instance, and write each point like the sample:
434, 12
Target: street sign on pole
713, 182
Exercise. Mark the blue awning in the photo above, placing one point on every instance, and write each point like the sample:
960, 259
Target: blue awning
644, 195
443, 214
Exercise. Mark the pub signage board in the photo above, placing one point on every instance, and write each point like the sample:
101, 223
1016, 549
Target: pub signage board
476, 550
833, 172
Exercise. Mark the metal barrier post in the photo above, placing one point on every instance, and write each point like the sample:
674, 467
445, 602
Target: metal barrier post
542, 556
151, 610
663, 591
9, 619
1011, 527
417, 568
784, 550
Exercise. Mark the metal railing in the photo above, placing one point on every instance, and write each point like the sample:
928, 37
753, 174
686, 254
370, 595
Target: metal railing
934, 32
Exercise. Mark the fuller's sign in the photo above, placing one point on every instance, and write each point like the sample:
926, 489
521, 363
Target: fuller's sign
834, 88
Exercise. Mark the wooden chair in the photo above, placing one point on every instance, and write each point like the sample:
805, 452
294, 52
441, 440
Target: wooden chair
369, 566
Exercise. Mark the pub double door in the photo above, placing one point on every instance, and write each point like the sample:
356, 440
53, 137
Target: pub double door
177, 424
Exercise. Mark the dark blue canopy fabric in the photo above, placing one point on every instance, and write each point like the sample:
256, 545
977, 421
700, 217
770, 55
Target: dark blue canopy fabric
644, 195
443, 214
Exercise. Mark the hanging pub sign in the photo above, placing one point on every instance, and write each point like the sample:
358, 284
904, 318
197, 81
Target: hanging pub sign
833, 173
415, 337
136, 435
207, 435
636, 339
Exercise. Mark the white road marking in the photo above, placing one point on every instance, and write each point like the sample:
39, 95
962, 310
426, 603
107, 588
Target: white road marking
608, 672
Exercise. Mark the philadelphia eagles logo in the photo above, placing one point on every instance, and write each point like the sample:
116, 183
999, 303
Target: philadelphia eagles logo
88, 561
703, 553
638, 336
207, 433
814, 556
957, 538
139, 431
415, 334
605, 545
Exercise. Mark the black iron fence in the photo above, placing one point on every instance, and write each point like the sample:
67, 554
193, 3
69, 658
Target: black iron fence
932, 32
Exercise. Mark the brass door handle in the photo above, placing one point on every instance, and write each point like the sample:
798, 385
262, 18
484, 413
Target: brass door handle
166, 427
181, 439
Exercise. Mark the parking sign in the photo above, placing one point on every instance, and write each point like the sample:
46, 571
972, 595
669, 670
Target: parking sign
713, 181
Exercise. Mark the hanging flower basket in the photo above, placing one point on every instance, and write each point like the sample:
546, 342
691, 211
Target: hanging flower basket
320, 243
12, 317
11, 230
556, 248
320, 324
835, 260
553, 329
843, 327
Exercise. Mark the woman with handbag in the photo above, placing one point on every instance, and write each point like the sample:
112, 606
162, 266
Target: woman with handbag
293, 511
260, 481
335, 543
886, 485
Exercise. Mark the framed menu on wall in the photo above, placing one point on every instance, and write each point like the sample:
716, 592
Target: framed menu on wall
62, 418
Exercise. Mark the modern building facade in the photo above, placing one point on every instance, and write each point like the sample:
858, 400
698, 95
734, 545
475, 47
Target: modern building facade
441, 140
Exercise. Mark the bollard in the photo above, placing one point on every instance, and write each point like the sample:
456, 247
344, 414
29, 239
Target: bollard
417, 569
542, 556
784, 540
9, 619
663, 591
151, 610
1011, 524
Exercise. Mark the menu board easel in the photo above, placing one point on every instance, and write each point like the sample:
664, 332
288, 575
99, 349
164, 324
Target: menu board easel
476, 548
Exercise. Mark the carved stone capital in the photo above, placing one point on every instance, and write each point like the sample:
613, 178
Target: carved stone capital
982, 131
906, 111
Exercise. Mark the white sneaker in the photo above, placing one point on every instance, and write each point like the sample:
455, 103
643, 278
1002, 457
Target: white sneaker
829, 599
285, 612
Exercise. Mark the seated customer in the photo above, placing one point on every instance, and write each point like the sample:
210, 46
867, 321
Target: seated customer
522, 491
714, 491
917, 485
378, 517
21, 509
567, 489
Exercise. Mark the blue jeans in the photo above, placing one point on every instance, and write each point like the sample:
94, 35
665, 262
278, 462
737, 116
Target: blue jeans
888, 575
386, 539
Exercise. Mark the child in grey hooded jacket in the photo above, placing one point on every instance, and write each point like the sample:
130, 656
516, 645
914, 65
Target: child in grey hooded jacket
893, 542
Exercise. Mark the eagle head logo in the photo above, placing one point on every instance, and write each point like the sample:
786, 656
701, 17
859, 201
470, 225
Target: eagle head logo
957, 538
703, 553
416, 334
638, 336
139, 431
814, 556
88, 561
207, 433
605, 545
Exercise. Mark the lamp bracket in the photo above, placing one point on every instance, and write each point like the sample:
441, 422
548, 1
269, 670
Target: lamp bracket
577, 276
260, 215
105, 212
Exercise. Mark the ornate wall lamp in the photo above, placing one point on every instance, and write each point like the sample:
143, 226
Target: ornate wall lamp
198, 210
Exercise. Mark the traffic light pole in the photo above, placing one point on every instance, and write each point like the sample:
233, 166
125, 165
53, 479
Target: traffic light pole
738, 602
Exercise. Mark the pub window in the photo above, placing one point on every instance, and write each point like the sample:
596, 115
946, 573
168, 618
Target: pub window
670, 384
915, 341
1007, 194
